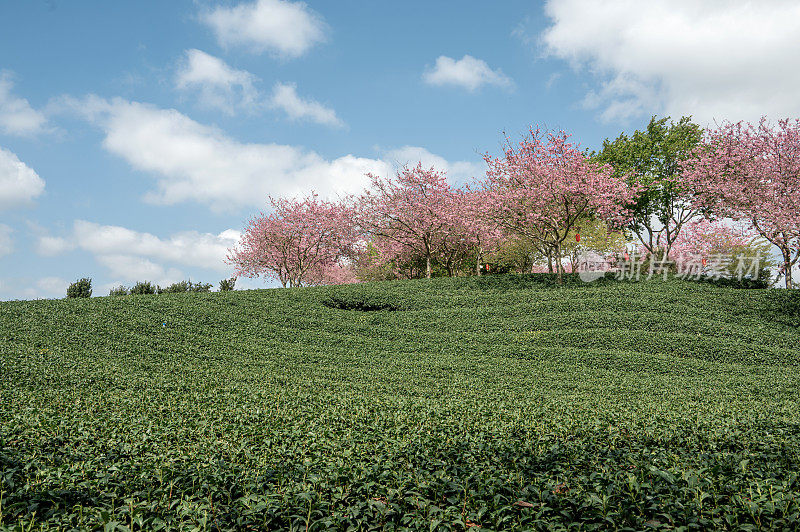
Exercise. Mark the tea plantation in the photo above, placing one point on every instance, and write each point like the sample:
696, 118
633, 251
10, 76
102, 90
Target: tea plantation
493, 403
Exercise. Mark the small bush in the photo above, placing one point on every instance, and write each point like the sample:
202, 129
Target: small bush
200, 287
118, 291
143, 287
226, 285
174, 288
363, 299
80, 288
184, 286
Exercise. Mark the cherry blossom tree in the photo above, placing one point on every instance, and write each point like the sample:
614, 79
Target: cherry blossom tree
542, 186
703, 238
751, 172
410, 214
299, 242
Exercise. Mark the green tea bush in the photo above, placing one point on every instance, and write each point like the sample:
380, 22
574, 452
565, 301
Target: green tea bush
80, 288
362, 298
786, 305
497, 403
143, 287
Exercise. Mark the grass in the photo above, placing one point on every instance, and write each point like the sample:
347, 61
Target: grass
498, 403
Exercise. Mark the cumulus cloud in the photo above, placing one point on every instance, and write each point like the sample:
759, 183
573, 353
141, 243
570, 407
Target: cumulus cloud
133, 256
50, 246
468, 72
51, 287
219, 85
18, 182
287, 29
190, 248
458, 172
196, 162
6, 242
285, 98
130, 269
714, 60
17, 117
32, 288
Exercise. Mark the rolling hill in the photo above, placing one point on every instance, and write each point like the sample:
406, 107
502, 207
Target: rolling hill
501, 402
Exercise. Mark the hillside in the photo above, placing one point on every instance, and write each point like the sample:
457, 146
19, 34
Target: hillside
499, 402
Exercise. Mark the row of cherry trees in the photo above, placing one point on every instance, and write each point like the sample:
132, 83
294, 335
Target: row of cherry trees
533, 203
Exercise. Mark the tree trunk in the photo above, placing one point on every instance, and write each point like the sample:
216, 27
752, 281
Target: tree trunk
478, 263
558, 264
549, 262
787, 267
428, 267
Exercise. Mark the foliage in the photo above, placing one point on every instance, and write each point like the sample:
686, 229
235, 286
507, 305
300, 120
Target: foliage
507, 402
413, 214
542, 187
227, 285
142, 287
299, 242
650, 161
118, 291
184, 286
80, 288
749, 172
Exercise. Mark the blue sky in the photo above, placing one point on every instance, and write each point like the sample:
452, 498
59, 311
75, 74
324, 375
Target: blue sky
137, 137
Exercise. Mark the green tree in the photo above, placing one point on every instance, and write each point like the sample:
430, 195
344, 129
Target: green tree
80, 288
650, 161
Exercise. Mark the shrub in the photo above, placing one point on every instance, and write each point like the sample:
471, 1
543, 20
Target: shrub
362, 298
226, 285
184, 286
143, 287
174, 288
200, 287
118, 291
80, 288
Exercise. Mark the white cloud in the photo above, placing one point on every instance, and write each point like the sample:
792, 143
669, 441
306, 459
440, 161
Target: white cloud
31, 288
17, 117
50, 246
714, 60
458, 172
284, 97
18, 182
190, 248
287, 29
220, 86
130, 269
468, 72
134, 256
52, 287
6, 242
195, 162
